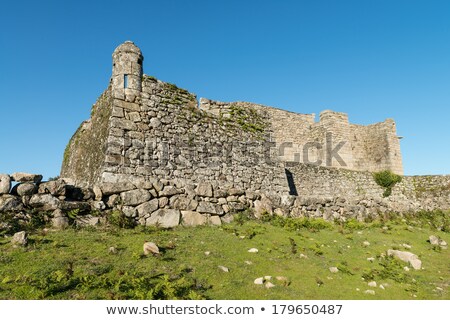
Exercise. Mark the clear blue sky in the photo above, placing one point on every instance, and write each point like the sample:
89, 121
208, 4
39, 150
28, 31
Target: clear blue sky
371, 59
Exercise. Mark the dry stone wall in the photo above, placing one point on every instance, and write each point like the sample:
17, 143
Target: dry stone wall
336, 193
319, 192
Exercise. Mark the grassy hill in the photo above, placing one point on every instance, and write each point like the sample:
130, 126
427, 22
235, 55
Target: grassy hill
79, 263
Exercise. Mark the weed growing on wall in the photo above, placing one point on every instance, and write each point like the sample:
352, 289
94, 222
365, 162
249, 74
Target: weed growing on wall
387, 180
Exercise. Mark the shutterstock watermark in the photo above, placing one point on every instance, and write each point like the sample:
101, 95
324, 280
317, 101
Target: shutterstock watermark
314, 152
201, 152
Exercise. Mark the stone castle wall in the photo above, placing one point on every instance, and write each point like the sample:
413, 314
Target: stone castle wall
151, 151
84, 157
298, 138
164, 135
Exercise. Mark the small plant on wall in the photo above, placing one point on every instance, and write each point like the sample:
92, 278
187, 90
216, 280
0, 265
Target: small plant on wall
387, 180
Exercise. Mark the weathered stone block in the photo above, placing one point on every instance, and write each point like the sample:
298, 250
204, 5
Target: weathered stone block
192, 218
20, 239
24, 189
26, 177
148, 207
45, 202
165, 218
55, 188
215, 221
135, 197
5, 184
10, 203
127, 105
170, 191
109, 188
204, 189
209, 207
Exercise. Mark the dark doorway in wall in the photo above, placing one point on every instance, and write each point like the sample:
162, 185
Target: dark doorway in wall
291, 183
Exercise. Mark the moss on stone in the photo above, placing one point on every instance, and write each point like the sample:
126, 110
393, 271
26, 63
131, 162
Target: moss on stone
84, 155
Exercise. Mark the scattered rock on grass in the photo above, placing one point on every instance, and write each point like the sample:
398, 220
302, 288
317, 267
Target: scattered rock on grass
334, 270
259, 281
20, 239
224, 269
112, 250
370, 292
409, 257
253, 250
434, 240
372, 284
366, 243
150, 248
269, 285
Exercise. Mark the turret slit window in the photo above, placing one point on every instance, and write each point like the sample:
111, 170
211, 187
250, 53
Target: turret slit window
125, 81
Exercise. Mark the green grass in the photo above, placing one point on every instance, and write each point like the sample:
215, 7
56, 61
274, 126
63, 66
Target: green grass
76, 264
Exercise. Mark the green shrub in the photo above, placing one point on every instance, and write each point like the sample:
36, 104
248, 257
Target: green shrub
119, 219
387, 180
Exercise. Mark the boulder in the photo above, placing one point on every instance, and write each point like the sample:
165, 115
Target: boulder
135, 197
192, 218
166, 218
434, 240
5, 184
129, 212
10, 203
227, 218
235, 192
25, 189
163, 202
98, 205
55, 187
150, 248
220, 193
45, 202
81, 206
287, 200
183, 203
204, 189
60, 220
109, 188
170, 191
214, 220
408, 257
20, 239
98, 194
80, 194
209, 207
263, 206
26, 177
113, 200
148, 207
87, 220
